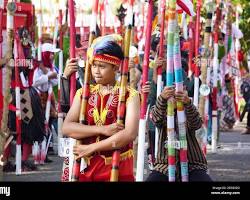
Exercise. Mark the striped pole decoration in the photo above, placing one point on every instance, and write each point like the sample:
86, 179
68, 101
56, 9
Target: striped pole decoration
169, 83
236, 79
159, 69
180, 107
197, 45
203, 103
85, 88
205, 57
18, 113
122, 92
215, 79
142, 124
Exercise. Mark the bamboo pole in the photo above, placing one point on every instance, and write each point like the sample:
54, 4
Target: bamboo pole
180, 107
4, 128
142, 124
215, 79
122, 92
197, 45
85, 89
18, 113
162, 9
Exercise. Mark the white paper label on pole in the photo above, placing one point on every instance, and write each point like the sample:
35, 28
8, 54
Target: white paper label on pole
181, 117
170, 121
64, 147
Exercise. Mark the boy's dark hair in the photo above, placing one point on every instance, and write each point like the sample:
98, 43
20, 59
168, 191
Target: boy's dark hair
110, 48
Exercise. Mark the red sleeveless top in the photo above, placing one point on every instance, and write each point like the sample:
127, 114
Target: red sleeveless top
102, 110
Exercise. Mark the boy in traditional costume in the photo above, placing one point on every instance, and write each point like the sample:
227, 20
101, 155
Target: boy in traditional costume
103, 135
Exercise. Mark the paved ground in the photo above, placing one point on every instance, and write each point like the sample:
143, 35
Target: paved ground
231, 162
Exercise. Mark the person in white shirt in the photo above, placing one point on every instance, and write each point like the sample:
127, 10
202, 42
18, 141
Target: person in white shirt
45, 76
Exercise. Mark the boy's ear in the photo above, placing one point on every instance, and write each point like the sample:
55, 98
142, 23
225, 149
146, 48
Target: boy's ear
115, 68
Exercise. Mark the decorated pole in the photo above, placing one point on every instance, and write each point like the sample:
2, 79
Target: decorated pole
75, 165
72, 164
85, 88
122, 92
204, 88
204, 63
18, 113
236, 79
197, 45
142, 124
72, 48
169, 83
11, 9
159, 69
215, 79
60, 114
180, 107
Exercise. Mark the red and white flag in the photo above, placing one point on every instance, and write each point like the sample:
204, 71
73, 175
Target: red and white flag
187, 6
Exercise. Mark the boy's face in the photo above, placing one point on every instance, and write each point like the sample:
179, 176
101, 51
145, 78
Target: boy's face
103, 73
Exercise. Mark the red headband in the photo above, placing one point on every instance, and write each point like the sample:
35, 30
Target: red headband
107, 59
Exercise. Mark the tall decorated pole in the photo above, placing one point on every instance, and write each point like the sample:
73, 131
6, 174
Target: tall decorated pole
18, 113
197, 45
236, 79
72, 47
159, 69
85, 88
122, 92
204, 88
169, 83
73, 176
11, 9
205, 70
180, 107
60, 113
142, 124
215, 79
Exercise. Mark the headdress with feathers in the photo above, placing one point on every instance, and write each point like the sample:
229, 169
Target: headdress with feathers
106, 49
